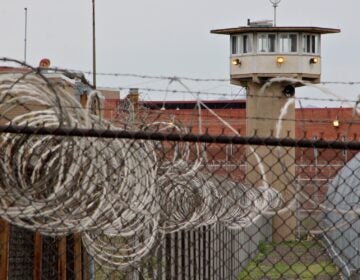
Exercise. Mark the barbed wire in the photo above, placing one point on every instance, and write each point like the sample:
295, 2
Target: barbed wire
183, 112
176, 91
75, 193
64, 171
166, 77
140, 76
198, 92
349, 83
221, 94
187, 91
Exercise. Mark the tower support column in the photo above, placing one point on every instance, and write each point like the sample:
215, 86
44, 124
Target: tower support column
274, 166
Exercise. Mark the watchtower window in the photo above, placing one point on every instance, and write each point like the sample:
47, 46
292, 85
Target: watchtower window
241, 44
246, 43
311, 43
267, 43
234, 45
288, 43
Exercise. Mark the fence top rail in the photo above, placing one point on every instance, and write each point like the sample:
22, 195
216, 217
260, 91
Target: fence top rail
157, 136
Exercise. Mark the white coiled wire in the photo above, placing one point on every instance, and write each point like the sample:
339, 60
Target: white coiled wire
123, 195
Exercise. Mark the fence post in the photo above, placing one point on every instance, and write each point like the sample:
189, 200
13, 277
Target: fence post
37, 256
4, 249
77, 257
62, 258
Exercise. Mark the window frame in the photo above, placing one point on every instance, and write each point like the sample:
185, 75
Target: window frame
249, 45
313, 44
234, 48
239, 48
268, 45
289, 43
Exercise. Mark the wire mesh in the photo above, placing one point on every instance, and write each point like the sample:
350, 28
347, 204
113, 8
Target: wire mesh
146, 193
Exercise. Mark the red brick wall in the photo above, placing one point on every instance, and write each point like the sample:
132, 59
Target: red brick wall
314, 167
310, 122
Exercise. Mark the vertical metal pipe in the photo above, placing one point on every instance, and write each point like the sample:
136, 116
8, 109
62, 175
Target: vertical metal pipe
275, 6
94, 43
25, 37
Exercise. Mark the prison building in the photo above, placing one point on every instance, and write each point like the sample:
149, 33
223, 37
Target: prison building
314, 168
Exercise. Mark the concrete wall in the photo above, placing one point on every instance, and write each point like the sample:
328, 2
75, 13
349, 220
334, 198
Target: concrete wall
266, 65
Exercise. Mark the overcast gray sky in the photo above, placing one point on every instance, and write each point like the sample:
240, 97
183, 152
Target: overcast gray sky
165, 37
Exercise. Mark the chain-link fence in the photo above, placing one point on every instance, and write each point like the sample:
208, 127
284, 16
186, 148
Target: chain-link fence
148, 195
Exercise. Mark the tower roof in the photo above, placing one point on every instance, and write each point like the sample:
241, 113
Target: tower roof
247, 29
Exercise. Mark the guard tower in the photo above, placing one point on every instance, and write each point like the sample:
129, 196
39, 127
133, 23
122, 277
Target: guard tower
259, 52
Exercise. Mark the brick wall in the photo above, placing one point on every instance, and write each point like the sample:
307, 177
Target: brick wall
314, 167
310, 122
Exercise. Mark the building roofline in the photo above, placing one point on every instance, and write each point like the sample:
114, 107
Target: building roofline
224, 101
247, 29
10, 69
195, 101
